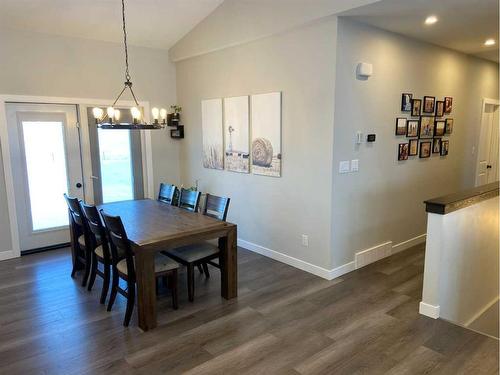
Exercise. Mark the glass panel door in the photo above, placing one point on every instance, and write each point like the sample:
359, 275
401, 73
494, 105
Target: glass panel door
45, 155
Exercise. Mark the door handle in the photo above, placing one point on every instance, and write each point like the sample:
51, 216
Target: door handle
78, 185
488, 166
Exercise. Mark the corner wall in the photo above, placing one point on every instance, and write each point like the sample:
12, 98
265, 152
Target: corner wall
383, 201
272, 213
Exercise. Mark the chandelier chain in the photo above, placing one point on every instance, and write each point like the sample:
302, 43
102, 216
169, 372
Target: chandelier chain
127, 74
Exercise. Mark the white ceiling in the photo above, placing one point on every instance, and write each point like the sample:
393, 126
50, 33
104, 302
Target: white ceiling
150, 23
463, 25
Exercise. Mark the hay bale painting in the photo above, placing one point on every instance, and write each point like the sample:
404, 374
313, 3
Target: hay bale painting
236, 134
266, 134
211, 124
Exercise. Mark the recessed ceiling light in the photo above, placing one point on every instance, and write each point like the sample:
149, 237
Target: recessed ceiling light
490, 42
431, 20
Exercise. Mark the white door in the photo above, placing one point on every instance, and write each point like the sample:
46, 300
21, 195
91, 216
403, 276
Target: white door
487, 161
46, 163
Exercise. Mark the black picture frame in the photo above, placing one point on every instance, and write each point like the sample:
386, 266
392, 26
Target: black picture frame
439, 128
425, 149
426, 128
412, 128
413, 147
439, 108
436, 146
448, 104
406, 102
449, 126
445, 147
428, 104
416, 107
403, 151
400, 126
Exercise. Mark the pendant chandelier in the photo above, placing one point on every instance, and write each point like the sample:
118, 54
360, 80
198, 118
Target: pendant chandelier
111, 118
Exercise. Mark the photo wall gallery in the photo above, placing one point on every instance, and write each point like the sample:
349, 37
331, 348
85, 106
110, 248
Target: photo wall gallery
228, 125
429, 122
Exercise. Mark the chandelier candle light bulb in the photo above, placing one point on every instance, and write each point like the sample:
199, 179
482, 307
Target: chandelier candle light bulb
163, 115
97, 112
117, 115
136, 114
111, 113
156, 113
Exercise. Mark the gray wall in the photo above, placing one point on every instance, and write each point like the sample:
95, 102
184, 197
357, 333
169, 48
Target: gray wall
272, 212
45, 65
383, 201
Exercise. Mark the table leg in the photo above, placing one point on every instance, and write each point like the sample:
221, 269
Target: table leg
146, 291
229, 264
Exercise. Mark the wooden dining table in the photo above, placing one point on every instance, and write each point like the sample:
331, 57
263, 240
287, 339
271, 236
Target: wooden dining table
153, 226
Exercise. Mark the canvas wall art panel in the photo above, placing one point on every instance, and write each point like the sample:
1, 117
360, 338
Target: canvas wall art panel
236, 134
211, 124
266, 134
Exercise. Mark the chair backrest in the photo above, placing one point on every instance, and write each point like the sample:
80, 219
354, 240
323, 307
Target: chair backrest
120, 246
167, 193
216, 207
97, 231
189, 200
75, 210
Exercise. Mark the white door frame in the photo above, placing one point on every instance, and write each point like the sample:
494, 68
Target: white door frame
82, 104
486, 101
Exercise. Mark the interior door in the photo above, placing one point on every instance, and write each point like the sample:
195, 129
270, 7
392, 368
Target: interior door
45, 155
487, 165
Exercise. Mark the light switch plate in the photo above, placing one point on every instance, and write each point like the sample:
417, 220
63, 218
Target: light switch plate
354, 165
344, 166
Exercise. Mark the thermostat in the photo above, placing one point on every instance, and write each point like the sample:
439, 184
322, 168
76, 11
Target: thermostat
371, 137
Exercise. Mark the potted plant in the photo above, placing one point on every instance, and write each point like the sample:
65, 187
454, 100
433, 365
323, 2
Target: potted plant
174, 118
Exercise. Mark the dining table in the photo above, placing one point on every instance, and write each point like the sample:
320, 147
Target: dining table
154, 226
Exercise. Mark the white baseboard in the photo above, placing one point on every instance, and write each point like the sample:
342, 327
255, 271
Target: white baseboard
280, 257
362, 258
481, 312
429, 310
9, 254
408, 243
373, 254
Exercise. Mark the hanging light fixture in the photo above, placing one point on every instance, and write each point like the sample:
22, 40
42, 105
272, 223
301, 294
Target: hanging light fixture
110, 119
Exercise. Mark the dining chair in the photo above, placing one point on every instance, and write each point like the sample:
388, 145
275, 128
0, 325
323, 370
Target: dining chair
100, 249
80, 238
123, 264
167, 193
189, 200
201, 254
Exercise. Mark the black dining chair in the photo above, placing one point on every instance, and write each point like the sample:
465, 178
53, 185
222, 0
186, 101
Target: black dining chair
167, 193
201, 254
189, 200
80, 238
123, 263
100, 249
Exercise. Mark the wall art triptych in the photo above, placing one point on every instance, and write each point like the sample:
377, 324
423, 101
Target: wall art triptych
227, 125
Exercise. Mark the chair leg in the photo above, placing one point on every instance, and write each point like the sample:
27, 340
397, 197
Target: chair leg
190, 277
73, 271
130, 303
114, 290
205, 269
88, 264
173, 287
105, 283
93, 272
200, 268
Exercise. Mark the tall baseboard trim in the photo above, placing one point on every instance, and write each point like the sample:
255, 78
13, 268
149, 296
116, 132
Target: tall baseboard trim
481, 311
429, 310
373, 254
9, 254
408, 243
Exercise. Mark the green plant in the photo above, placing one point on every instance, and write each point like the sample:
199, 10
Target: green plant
176, 108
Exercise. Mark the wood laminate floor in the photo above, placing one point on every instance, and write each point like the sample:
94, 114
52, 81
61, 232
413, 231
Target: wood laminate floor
284, 321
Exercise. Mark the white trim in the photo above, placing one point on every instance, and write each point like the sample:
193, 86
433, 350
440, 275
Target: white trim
486, 101
83, 103
9, 254
373, 254
481, 311
341, 270
405, 245
291, 261
429, 310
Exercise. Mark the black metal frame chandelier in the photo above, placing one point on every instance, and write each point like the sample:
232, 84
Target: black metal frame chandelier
111, 118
